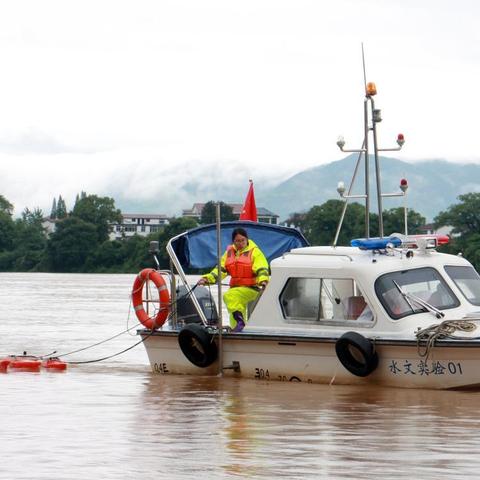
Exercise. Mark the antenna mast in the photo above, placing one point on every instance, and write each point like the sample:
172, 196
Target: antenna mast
364, 69
375, 117
365, 150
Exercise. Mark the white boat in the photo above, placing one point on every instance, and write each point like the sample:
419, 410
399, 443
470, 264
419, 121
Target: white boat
390, 310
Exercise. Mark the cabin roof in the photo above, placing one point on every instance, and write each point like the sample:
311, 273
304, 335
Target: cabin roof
356, 259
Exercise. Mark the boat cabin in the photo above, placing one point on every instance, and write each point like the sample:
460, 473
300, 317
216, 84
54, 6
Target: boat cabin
351, 287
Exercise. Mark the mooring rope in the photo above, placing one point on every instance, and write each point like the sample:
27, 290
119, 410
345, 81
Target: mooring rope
114, 354
445, 329
173, 306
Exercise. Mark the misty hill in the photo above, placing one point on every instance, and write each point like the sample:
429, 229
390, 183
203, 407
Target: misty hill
434, 185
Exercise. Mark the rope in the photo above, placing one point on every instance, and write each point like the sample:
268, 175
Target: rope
96, 344
445, 329
172, 305
113, 355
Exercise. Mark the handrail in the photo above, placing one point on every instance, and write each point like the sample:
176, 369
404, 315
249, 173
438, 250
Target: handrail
183, 277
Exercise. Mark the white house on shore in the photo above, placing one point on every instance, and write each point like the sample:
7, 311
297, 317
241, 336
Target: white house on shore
49, 225
142, 224
132, 224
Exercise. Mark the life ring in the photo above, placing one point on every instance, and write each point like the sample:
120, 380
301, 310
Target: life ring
357, 354
197, 345
151, 322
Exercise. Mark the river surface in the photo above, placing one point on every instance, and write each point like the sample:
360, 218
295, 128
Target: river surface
114, 419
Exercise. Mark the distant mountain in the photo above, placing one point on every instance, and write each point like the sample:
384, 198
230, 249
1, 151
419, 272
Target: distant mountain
434, 185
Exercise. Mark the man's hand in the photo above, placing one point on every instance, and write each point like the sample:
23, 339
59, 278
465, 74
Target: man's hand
263, 284
202, 281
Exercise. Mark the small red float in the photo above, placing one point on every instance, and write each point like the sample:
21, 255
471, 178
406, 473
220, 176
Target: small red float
4, 362
54, 365
24, 363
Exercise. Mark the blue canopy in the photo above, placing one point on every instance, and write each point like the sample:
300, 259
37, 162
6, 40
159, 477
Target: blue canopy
197, 248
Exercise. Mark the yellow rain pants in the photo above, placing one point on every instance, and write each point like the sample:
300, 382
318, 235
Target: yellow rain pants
236, 300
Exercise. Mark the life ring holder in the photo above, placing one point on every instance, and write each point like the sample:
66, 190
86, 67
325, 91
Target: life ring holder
357, 354
197, 345
151, 322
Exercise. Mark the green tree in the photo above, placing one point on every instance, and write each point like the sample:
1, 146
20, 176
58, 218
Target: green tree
471, 249
321, 221
464, 217
135, 252
61, 211
209, 213
5, 206
7, 235
394, 221
71, 244
7, 231
30, 241
79, 197
109, 256
99, 211
177, 226
7, 226
53, 212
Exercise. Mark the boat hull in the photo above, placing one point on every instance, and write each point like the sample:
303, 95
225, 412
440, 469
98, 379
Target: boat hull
450, 364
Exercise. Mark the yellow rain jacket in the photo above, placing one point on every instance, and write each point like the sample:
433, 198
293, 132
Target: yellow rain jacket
238, 297
259, 264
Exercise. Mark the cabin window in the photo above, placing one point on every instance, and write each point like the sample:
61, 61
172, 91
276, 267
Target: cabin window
467, 281
313, 300
401, 292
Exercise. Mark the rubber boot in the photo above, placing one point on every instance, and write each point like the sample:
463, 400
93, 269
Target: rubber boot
240, 322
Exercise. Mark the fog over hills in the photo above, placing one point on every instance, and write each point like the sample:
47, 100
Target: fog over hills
434, 185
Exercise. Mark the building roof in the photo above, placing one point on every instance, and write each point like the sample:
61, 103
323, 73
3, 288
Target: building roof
237, 210
144, 215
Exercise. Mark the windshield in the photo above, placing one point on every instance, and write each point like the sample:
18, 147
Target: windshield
424, 283
468, 282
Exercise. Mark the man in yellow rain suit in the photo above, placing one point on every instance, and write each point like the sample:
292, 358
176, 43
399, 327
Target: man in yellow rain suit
248, 269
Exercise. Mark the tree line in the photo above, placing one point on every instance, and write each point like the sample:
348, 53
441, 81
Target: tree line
80, 242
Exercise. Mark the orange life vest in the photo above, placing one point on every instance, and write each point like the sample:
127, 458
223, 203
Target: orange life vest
240, 268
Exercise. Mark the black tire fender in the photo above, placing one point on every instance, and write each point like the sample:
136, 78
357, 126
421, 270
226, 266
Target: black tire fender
357, 354
197, 345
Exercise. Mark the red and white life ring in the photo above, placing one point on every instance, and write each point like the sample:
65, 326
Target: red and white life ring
151, 322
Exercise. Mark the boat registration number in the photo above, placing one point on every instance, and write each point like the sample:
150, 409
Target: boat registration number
160, 368
406, 367
264, 374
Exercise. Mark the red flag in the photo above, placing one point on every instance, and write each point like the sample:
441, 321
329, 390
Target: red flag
249, 210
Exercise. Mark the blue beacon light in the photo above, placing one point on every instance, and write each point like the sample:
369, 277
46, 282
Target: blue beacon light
375, 243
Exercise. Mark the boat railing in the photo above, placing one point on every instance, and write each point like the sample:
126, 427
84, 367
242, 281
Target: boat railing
183, 277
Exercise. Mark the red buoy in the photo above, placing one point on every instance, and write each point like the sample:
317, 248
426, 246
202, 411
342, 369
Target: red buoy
24, 364
54, 365
4, 362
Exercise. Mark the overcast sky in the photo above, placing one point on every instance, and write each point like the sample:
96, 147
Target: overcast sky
143, 96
